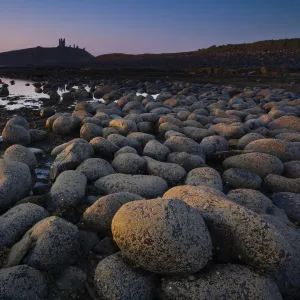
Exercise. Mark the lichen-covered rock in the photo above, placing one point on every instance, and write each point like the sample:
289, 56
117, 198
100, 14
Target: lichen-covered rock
22, 283
103, 147
21, 154
16, 221
248, 138
88, 131
163, 236
15, 134
122, 141
95, 168
172, 173
123, 126
213, 144
285, 151
184, 144
68, 190
260, 163
277, 183
288, 122
156, 150
19, 121
292, 169
234, 282
99, 215
251, 199
15, 182
144, 185
237, 233
115, 279
241, 178
228, 131
52, 242
204, 176
129, 163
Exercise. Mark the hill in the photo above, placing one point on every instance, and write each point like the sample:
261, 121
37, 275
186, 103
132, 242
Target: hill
40, 56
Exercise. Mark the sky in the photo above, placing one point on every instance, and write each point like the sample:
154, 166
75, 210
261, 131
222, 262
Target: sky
139, 26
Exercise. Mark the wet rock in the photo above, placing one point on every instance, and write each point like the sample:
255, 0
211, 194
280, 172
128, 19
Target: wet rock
115, 279
129, 163
204, 176
51, 243
95, 168
15, 182
47, 112
37, 135
260, 163
163, 236
68, 190
233, 282
172, 173
15, 134
99, 215
88, 131
21, 154
16, 221
19, 121
22, 283
251, 199
103, 147
241, 178
156, 150
144, 185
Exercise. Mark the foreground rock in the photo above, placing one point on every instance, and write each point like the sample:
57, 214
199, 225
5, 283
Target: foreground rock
114, 279
232, 282
15, 134
162, 236
144, 185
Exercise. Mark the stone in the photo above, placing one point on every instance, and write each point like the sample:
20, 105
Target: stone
21, 154
204, 176
142, 138
222, 281
103, 147
106, 246
88, 131
65, 125
47, 112
15, 182
22, 283
184, 144
277, 183
286, 122
228, 131
213, 144
72, 278
68, 190
115, 279
292, 169
122, 141
241, 178
186, 160
129, 163
99, 215
156, 150
126, 149
16, 221
144, 185
37, 135
248, 138
15, 134
95, 168
260, 163
123, 126
164, 236
172, 173
19, 121
51, 243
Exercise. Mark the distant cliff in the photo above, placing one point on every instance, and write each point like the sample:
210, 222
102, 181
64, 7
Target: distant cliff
40, 56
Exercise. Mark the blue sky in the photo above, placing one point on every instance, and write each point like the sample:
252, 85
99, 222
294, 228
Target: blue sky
132, 26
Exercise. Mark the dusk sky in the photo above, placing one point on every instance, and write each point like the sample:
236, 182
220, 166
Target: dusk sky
138, 26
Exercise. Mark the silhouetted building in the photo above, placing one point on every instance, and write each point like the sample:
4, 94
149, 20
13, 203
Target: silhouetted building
62, 43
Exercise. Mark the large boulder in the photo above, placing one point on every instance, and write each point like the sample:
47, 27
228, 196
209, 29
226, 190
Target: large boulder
228, 131
285, 151
65, 125
21, 154
114, 279
204, 176
37, 135
22, 283
15, 182
276, 183
99, 215
103, 147
19, 121
184, 144
156, 150
234, 282
213, 144
292, 169
163, 236
286, 122
144, 185
16, 221
51, 243
186, 160
71, 157
241, 178
172, 173
237, 233
260, 163
248, 138
122, 141
143, 138
129, 163
95, 168
88, 131
68, 190
15, 134
123, 126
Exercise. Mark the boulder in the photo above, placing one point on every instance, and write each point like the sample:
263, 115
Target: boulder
204, 176
129, 163
156, 150
186, 160
144, 185
51, 243
241, 178
213, 144
47, 112
103, 147
19, 121
115, 279
228, 131
37, 135
142, 138
163, 236
292, 169
223, 281
88, 131
286, 122
277, 183
123, 126
184, 144
65, 125
260, 163
99, 215
248, 138
95, 168
122, 141
15, 134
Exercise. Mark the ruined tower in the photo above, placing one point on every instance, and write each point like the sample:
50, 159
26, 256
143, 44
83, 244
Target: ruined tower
62, 43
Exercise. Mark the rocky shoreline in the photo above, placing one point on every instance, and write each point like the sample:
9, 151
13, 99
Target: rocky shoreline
113, 193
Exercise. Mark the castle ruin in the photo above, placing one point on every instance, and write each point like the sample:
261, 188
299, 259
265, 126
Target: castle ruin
62, 44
